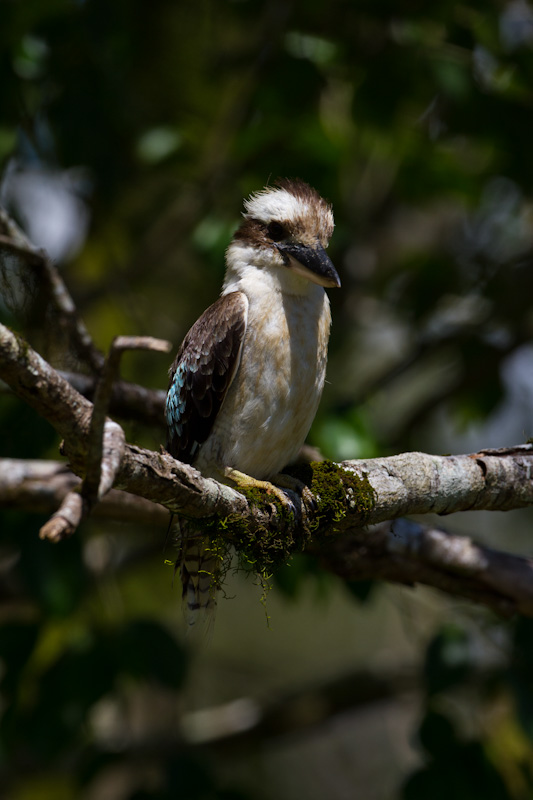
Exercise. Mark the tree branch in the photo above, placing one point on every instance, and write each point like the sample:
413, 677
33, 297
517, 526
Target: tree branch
349, 495
41, 486
155, 476
410, 483
407, 552
418, 483
105, 447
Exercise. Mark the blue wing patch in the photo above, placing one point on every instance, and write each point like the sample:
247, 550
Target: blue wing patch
202, 373
176, 400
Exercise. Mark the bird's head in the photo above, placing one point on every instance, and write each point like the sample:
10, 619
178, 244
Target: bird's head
287, 228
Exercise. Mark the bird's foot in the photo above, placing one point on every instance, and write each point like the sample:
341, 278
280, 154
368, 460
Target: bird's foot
247, 482
298, 487
282, 482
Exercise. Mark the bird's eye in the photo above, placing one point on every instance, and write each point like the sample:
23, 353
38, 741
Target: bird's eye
276, 231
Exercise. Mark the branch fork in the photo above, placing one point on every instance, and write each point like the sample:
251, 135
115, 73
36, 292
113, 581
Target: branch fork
106, 445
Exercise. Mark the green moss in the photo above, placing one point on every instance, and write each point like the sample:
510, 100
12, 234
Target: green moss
337, 491
259, 549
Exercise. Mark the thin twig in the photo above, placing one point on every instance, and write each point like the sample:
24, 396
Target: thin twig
66, 519
105, 446
106, 440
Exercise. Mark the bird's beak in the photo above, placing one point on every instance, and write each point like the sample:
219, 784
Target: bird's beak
312, 263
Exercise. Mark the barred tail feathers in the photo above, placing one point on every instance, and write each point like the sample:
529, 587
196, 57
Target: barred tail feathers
198, 578
199, 568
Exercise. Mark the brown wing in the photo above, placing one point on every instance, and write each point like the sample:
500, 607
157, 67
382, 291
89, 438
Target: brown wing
202, 373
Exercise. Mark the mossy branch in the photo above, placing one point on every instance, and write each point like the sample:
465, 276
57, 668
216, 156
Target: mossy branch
351, 495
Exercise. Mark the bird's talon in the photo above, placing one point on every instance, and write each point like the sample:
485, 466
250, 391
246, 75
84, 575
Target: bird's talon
298, 487
282, 497
309, 499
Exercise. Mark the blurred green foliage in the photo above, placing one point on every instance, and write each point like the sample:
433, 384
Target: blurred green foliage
154, 121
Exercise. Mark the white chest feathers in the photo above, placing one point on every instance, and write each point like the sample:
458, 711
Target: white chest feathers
273, 399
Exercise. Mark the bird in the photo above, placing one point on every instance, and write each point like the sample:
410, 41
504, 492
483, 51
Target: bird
247, 379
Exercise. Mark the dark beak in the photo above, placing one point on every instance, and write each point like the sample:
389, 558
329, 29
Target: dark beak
311, 262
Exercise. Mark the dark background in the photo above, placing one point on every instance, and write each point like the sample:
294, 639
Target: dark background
129, 134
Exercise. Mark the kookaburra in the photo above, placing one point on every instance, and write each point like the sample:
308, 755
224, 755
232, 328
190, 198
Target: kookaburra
247, 379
